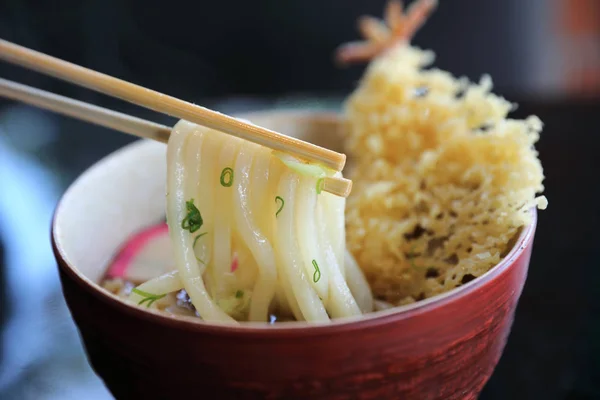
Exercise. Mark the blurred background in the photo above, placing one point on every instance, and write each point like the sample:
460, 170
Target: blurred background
238, 56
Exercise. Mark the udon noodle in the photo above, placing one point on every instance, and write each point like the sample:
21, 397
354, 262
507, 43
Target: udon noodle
250, 234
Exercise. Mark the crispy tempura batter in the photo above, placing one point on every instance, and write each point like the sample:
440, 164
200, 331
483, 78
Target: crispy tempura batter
443, 180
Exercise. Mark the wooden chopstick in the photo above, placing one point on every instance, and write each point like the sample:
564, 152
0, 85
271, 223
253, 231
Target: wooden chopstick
84, 111
117, 121
156, 101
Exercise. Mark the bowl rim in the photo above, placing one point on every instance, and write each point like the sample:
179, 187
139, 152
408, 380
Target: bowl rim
194, 324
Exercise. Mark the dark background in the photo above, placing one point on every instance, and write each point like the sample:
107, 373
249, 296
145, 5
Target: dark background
245, 55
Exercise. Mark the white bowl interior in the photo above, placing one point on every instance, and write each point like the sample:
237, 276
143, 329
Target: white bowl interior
113, 200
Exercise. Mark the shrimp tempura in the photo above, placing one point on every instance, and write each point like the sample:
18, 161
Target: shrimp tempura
398, 28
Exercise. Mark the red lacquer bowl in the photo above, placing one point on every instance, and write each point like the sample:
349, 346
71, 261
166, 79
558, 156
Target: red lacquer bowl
441, 348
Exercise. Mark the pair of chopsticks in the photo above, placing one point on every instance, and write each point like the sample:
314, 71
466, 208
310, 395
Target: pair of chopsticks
153, 100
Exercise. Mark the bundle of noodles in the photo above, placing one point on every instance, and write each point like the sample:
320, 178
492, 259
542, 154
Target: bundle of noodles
252, 234
443, 181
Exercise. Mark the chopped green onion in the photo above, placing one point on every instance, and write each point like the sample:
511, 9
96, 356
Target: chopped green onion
148, 297
239, 294
317, 274
227, 177
302, 167
194, 245
198, 237
281, 206
193, 220
320, 183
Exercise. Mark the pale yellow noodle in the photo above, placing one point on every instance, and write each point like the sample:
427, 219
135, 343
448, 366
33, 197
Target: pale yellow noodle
255, 239
341, 303
223, 217
183, 252
166, 283
290, 257
336, 227
194, 168
357, 282
269, 206
205, 193
308, 241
